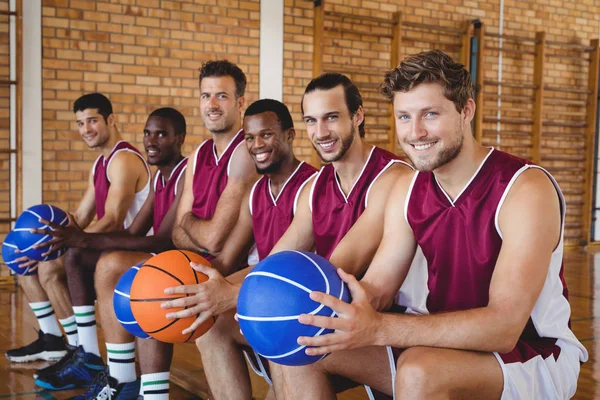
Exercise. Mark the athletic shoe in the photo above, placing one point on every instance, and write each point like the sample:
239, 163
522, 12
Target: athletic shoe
47, 347
105, 387
79, 371
57, 365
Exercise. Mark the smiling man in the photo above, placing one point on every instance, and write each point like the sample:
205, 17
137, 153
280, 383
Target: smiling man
267, 211
221, 170
490, 226
164, 135
118, 186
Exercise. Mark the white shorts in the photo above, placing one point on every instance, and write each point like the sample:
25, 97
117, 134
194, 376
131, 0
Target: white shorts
540, 378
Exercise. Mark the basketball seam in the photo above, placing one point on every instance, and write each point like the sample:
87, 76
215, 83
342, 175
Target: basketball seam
166, 272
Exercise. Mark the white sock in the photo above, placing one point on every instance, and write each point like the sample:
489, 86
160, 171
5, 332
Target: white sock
156, 386
121, 361
70, 327
45, 315
86, 328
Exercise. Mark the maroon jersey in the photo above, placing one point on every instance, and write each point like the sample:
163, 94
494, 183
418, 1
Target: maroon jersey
210, 175
461, 240
333, 213
165, 192
272, 216
102, 182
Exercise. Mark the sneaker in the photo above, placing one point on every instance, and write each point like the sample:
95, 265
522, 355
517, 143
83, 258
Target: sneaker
57, 365
105, 387
47, 347
79, 371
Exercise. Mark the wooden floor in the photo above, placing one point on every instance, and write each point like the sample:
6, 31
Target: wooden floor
17, 325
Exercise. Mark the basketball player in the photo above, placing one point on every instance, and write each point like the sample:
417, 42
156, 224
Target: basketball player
221, 170
330, 207
164, 135
119, 184
490, 226
266, 212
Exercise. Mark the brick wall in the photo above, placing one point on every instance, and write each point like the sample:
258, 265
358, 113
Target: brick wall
145, 54
4, 119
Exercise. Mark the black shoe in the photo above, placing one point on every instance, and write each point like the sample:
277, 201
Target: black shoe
57, 365
105, 387
47, 347
79, 371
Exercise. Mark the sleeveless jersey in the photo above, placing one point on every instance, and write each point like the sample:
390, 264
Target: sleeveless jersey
460, 242
272, 216
165, 192
211, 174
102, 182
334, 213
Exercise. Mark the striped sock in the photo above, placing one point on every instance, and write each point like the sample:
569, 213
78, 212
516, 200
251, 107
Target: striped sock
85, 316
121, 361
156, 386
45, 315
70, 327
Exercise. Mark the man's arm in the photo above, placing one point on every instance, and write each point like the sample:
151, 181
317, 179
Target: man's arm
125, 171
355, 251
86, 210
211, 234
530, 221
239, 242
180, 238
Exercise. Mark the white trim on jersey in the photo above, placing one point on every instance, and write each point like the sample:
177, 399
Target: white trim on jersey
408, 194
181, 174
274, 199
297, 198
357, 179
111, 151
158, 173
389, 164
312, 189
95, 164
452, 202
196, 156
214, 148
252, 193
231, 158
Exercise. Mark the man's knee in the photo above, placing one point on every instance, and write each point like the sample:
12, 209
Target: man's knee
225, 329
416, 371
51, 272
109, 269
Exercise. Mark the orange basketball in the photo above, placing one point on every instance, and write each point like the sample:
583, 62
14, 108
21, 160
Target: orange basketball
167, 269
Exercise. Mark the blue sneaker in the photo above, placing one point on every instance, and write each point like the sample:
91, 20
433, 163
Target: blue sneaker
79, 371
105, 387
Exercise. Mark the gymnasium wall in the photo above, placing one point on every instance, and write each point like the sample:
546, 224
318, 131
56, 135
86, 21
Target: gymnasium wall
145, 54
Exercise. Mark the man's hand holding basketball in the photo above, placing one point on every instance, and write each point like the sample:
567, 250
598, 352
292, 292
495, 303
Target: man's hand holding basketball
356, 326
70, 235
206, 299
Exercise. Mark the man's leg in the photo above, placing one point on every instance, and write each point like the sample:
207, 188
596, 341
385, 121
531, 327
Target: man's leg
223, 360
53, 280
422, 373
120, 344
155, 363
432, 373
50, 344
80, 369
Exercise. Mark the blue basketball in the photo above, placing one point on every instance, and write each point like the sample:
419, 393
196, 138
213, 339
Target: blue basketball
273, 296
30, 219
122, 306
9, 256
